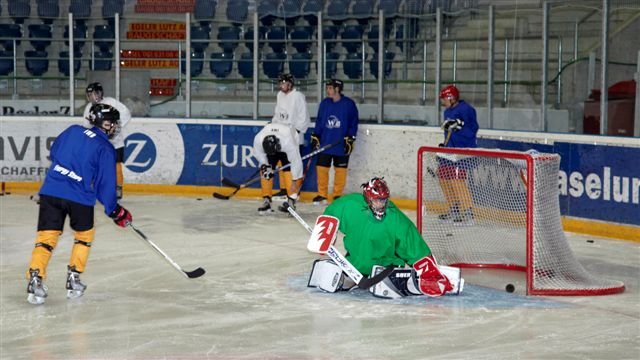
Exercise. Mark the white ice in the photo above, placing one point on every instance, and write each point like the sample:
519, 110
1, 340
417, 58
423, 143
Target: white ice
253, 302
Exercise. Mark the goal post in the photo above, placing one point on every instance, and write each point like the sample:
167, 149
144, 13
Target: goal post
500, 209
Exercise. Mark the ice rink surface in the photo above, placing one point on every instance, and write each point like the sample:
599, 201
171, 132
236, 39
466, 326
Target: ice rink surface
253, 302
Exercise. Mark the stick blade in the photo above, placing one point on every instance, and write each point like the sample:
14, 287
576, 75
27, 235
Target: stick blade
195, 273
220, 196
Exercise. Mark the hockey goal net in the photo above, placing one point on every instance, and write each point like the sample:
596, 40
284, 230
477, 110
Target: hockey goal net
500, 209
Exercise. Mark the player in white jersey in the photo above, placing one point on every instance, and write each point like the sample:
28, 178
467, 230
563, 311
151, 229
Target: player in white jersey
95, 95
277, 143
291, 110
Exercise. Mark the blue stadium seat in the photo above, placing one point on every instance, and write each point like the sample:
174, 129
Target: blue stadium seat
352, 65
40, 36
10, 33
248, 37
330, 34
373, 34
102, 61
388, 62
197, 63
390, 7
110, 8
273, 64
337, 11
300, 65
48, 10
362, 10
352, 37
301, 38
79, 36
199, 38
310, 9
237, 11
229, 37
104, 37
221, 64
331, 64
63, 63
267, 11
204, 11
81, 10
6, 63
19, 10
36, 62
291, 11
275, 38
245, 65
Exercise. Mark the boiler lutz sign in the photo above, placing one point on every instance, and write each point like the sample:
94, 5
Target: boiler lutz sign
35, 110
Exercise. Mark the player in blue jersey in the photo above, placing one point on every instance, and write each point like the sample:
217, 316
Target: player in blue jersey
82, 170
337, 121
460, 131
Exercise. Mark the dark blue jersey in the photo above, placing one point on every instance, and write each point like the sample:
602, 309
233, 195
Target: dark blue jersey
335, 121
83, 168
465, 137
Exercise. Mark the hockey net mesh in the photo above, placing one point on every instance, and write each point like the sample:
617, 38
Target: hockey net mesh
492, 208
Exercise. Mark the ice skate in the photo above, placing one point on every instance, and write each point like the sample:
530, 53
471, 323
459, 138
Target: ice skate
290, 202
464, 216
75, 288
265, 208
36, 289
280, 195
319, 200
450, 214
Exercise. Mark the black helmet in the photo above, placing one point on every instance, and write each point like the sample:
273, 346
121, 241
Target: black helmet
287, 78
95, 86
103, 113
271, 144
335, 83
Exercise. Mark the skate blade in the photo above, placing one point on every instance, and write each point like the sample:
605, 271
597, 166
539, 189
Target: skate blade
35, 300
74, 294
263, 213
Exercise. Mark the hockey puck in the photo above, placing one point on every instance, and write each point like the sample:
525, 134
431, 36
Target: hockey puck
509, 288
590, 241
199, 199
449, 234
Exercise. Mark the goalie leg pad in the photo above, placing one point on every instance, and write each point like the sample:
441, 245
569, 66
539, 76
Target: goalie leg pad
400, 283
326, 276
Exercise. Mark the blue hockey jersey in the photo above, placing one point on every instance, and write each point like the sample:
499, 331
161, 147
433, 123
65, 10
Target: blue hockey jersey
83, 168
335, 121
465, 137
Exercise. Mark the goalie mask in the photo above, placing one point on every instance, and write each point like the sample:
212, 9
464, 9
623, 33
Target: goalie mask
271, 144
105, 118
376, 193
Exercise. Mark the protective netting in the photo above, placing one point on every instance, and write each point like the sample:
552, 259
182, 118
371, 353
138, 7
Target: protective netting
492, 208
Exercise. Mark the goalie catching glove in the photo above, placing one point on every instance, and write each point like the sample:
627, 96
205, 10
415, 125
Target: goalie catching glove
266, 171
121, 216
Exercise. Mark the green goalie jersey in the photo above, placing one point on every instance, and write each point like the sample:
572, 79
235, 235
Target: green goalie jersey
394, 240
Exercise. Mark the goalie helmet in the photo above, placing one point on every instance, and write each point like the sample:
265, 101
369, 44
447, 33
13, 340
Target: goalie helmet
336, 83
450, 92
271, 144
376, 193
105, 118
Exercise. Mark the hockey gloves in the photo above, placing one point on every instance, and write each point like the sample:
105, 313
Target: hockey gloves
266, 171
121, 216
430, 280
315, 141
348, 144
453, 125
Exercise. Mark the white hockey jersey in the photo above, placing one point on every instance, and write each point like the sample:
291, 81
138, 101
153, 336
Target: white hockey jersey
125, 116
288, 145
291, 110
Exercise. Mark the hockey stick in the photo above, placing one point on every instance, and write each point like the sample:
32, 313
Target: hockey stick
238, 187
189, 274
344, 264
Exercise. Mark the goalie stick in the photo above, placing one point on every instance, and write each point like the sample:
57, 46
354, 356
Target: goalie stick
238, 187
189, 274
344, 264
